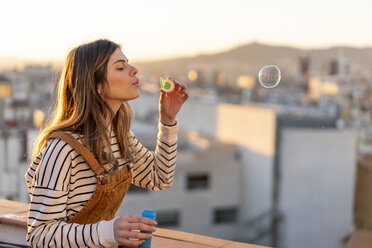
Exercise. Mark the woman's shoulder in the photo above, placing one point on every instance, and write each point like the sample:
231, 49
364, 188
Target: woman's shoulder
56, 147
52, 164
75, 135
59, 147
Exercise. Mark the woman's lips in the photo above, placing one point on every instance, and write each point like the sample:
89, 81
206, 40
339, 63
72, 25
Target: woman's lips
136, 84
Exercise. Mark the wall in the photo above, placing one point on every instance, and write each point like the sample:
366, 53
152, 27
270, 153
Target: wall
317, 187
196, 207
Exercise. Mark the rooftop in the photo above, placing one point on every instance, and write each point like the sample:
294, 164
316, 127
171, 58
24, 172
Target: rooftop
13, 223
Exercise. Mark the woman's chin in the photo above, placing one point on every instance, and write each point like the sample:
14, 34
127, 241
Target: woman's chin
134, 96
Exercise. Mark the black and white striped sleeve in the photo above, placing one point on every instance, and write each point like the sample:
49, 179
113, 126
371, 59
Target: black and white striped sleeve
47, 226
155, 170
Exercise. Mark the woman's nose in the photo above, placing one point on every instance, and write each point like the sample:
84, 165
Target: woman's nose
134, 71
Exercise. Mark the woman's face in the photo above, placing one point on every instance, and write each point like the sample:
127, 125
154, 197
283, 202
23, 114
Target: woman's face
122, 83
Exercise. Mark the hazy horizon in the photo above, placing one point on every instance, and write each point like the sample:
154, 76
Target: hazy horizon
9, 62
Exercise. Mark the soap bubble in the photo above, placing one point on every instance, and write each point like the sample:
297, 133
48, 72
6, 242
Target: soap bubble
269, 76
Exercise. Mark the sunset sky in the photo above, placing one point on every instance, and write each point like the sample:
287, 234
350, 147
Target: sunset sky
45, 30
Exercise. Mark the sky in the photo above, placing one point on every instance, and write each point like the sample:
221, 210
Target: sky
155, 29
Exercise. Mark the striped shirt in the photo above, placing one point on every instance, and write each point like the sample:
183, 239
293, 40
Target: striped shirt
60, 183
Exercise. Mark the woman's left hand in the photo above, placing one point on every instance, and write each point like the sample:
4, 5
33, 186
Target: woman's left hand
170, 103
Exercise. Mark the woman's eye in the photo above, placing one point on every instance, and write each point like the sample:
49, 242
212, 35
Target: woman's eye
120, 69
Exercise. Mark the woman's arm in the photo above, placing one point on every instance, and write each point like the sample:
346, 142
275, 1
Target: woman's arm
46, 227
155, 170
49, 195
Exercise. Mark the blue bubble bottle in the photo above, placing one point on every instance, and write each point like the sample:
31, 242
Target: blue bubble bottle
151, 215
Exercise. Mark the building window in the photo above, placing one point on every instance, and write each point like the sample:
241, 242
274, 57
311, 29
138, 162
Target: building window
168, 218
225, 215
197, 181
134, 189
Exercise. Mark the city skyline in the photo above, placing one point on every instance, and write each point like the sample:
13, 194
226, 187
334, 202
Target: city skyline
42, 30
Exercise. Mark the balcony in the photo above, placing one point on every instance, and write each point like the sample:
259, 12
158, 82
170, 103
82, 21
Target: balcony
13, 223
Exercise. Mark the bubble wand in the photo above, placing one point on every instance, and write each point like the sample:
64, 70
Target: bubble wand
166, 85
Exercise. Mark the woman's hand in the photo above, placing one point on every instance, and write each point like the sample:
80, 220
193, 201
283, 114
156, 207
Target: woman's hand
170, 103
124, 226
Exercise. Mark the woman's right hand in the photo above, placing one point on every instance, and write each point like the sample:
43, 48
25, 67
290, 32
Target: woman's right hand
124, 226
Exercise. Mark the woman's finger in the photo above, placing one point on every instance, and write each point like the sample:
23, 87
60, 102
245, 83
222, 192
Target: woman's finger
132, 243
138, 219
163, 95
185, 96
141, 227
170, 78
182, 88
136, 235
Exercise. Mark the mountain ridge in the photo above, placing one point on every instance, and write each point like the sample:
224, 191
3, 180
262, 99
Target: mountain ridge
242, 59
249, 58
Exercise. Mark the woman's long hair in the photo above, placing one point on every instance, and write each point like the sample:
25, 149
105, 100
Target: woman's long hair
81, 109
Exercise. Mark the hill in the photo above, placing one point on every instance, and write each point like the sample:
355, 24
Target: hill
249, 58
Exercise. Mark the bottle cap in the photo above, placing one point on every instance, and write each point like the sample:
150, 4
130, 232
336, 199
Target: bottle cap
149, 214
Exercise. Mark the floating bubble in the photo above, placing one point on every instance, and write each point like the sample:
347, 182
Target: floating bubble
269, 76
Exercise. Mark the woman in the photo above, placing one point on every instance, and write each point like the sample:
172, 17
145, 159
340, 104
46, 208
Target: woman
86, 157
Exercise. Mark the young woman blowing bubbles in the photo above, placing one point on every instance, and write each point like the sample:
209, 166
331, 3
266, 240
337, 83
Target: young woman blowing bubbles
86, 157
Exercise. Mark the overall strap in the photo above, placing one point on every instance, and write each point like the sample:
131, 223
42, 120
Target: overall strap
84, 152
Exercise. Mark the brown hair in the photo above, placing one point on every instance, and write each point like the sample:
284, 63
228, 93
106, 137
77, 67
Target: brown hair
81, 109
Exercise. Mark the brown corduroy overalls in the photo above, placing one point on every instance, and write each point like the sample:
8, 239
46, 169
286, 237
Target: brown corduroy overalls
110, 189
